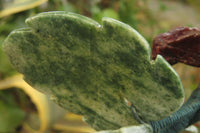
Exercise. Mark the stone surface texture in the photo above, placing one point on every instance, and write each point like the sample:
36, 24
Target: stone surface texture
94, 70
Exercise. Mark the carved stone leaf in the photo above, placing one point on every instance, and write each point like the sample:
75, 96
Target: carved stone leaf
94, 70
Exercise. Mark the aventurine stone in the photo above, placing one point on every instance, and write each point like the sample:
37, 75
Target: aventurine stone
93, 70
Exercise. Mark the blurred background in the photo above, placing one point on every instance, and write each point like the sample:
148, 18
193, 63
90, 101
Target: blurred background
24, 110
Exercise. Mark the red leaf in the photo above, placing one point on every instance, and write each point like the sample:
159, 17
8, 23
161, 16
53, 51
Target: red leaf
179, 45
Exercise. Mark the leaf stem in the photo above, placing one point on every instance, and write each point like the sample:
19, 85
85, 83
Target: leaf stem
135, 115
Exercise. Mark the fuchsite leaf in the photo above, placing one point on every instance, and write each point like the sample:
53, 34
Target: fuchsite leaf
94, 70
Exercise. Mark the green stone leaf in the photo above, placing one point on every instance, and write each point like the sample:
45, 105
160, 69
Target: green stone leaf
94, 70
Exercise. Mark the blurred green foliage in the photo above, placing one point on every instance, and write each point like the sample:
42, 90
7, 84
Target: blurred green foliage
195, 3
11, 115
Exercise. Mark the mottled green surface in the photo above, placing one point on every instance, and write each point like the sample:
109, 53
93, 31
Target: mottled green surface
92, 69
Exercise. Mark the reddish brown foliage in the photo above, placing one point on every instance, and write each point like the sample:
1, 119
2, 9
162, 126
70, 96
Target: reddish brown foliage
179, 45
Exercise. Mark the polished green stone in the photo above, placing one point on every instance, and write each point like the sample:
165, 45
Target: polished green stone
94, 70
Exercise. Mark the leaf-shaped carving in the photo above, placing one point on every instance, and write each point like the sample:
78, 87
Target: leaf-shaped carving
94, 70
